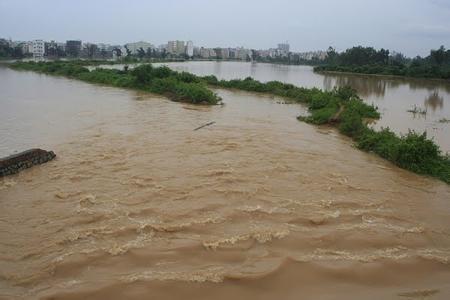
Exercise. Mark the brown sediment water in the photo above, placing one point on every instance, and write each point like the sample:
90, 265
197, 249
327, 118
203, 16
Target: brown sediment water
393, 96
138, 205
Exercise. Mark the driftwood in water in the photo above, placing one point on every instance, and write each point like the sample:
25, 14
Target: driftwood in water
17, 162
207, 124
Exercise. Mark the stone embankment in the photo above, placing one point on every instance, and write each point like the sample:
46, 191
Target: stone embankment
17, 162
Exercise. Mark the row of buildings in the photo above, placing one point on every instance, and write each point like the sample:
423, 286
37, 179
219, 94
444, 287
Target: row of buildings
172, 49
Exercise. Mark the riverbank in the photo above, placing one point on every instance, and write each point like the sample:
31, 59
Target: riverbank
428, 73
341, 108
382, 76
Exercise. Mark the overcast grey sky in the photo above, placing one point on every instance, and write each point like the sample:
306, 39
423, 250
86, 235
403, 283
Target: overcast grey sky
409, 26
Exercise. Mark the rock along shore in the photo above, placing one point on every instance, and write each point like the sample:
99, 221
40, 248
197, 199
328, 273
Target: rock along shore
17, 162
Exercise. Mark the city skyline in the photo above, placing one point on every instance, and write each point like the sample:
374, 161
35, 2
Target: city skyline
411, 27
173, 49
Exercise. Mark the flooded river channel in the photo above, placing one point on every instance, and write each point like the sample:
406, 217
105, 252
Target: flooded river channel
138, 205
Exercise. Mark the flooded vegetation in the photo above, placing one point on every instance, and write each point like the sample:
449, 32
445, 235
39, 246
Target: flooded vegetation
182, 87
256, 206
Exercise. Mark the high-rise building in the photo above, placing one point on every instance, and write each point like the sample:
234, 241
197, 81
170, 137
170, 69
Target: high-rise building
284, 47
190, 48
38, 48
73, 48
175, 47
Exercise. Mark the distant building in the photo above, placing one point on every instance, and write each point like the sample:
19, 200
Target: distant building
90, 50
175, 47
207, 53
189, 48
51, 49
27, 48
73, 48
222, 53
105, 47
134, 47
284, 47
316, 55
38, 48
196, 51
242, 53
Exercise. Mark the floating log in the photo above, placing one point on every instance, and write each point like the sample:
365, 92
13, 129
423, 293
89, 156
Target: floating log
207, 124
17, 162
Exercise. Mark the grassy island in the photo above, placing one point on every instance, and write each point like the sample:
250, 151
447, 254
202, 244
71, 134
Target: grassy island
181, 87
341, 108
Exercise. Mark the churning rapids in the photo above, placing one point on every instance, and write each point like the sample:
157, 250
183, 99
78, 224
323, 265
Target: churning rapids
137, 205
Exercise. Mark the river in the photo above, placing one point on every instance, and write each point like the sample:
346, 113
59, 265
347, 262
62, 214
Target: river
256, 206
393, 96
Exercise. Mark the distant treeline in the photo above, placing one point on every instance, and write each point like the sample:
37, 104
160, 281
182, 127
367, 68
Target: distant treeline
341, 107
367, 60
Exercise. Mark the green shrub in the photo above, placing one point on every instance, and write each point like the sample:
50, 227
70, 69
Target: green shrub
415, 150
351, 124
323, 115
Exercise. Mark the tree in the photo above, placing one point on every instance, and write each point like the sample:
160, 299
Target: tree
438, 56
17, 52
118, 52
149, 53
141, 53
103, 53
332, 55
91, 50
128, 50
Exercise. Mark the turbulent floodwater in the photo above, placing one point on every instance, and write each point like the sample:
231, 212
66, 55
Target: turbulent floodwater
137, 205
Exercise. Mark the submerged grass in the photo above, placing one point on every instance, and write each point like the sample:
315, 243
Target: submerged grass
341, 108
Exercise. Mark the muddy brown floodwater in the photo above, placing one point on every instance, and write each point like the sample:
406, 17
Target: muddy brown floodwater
137, 205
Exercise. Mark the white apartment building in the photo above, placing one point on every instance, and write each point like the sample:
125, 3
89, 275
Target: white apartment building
190, 48
38, 48
27, 47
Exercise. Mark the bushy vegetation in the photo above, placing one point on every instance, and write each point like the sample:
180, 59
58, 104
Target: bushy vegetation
340, 107
367, 60
412, 151
183, 87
